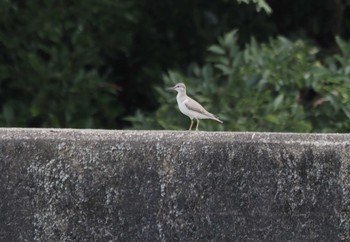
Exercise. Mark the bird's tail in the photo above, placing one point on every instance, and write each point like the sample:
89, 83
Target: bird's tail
216, 119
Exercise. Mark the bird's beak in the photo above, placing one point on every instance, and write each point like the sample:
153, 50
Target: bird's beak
171, 88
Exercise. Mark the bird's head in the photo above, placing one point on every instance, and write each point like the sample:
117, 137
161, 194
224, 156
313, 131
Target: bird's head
180, 88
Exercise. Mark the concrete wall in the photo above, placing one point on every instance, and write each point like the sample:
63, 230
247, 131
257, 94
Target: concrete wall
98, 185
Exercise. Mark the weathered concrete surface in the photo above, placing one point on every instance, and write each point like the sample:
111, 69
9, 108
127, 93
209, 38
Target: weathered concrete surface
98, 185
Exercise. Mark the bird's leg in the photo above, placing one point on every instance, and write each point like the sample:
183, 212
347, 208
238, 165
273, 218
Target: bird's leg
191, 124
197, 124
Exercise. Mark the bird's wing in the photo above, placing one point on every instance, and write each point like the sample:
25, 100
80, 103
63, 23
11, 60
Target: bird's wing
196, 107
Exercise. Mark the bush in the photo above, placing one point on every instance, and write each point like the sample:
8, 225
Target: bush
280, 85
53, 62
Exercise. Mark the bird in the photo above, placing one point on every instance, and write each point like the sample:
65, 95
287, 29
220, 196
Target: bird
190, 107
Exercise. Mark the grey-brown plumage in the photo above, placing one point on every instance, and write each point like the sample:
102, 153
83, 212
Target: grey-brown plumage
190, 107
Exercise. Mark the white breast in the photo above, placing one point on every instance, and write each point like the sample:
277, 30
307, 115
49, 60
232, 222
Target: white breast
181, 102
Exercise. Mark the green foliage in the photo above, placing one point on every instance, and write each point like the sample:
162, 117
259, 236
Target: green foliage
260, 4
76, 63
171, 34
53, 62
280, 85
90, 63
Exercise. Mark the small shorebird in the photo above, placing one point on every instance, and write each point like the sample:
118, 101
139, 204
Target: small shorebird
190, 107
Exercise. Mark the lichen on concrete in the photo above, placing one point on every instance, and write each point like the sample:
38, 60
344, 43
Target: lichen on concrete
106, 185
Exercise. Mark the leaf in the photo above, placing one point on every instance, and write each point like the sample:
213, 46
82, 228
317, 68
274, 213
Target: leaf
8, 113
216, 50
261, 4
343, 46
272, 119
224, 68
278, 101
230, 38
207, 72
35, 110
36, 63
346, 111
